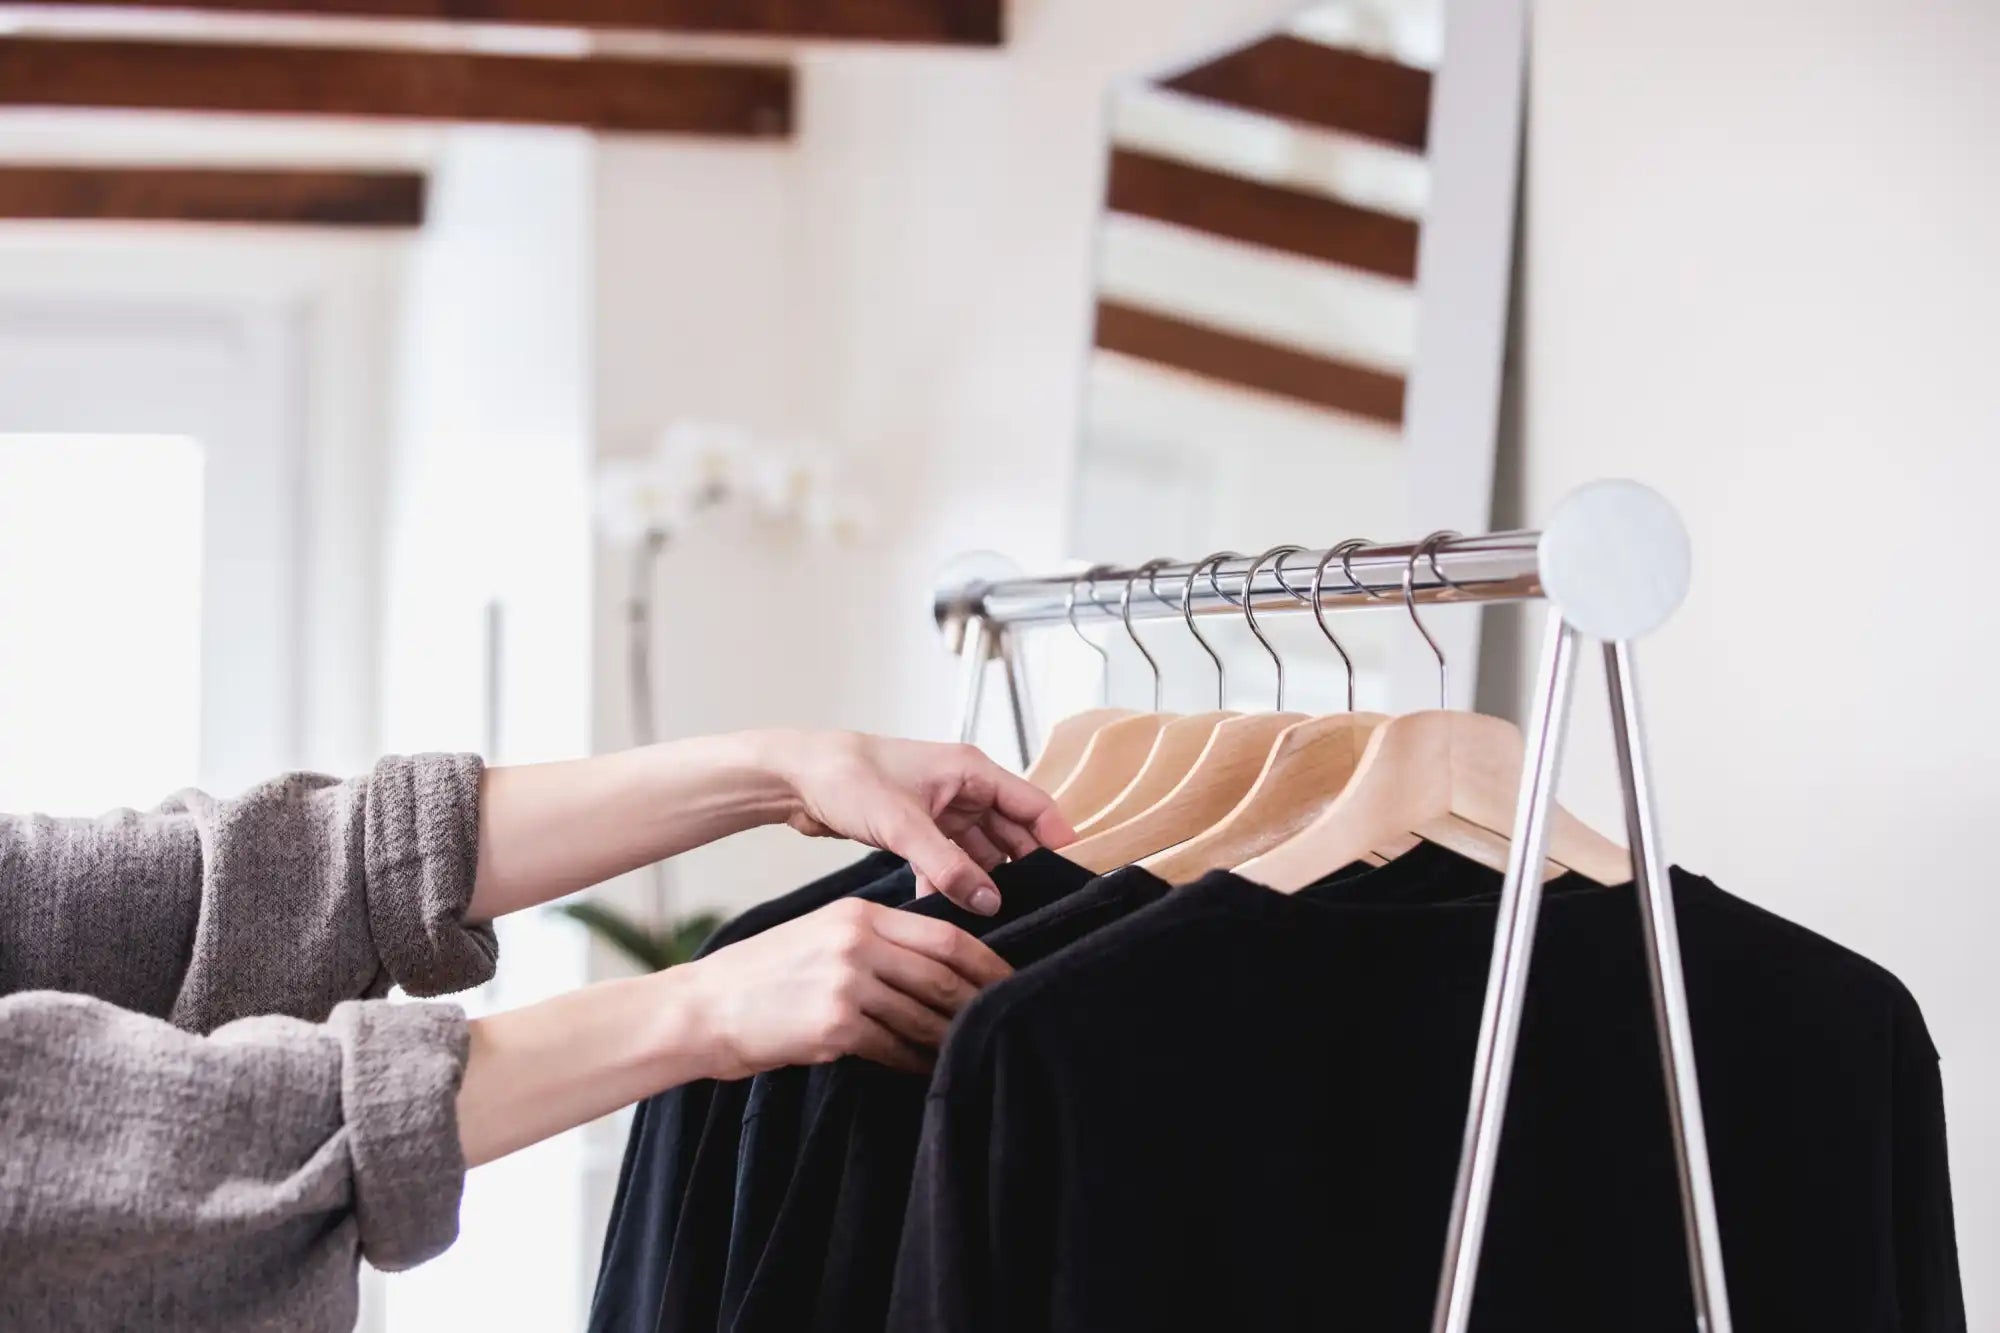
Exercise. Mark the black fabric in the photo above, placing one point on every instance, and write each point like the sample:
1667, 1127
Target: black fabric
661, 1143
749, 1137
1240, 1109
831, 1249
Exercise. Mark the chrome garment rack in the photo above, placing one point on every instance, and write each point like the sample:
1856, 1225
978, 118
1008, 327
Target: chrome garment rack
1613, 564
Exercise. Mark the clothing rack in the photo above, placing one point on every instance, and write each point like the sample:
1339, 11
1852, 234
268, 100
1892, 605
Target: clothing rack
1613, 563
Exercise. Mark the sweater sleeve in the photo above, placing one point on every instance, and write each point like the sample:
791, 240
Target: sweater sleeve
129, 1147
296, 895
1928, 1293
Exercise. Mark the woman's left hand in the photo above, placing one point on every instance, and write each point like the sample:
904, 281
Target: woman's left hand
948, 810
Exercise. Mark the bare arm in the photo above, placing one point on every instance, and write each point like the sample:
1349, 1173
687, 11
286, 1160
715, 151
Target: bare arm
854, 978
546, 830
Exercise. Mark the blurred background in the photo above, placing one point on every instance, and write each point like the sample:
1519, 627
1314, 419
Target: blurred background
376, 380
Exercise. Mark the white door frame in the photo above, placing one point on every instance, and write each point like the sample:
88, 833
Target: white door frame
230, 374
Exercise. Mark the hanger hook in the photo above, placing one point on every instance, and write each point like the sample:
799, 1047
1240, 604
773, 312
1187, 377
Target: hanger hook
1187, 614
1125, 614
1317, 600
1069, 613
1427, 547
1250, 612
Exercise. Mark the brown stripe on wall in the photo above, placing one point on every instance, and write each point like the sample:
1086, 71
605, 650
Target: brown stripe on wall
600, 93
204, 194
1250, 363
1285, 219
1319, 85
959, 22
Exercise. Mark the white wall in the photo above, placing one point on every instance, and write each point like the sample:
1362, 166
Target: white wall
488, 486
909, 277
1762, 275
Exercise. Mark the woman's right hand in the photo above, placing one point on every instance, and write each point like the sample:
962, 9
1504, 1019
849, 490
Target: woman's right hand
853, 978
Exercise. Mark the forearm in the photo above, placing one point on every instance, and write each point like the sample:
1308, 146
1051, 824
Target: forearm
546, 830
534, 1072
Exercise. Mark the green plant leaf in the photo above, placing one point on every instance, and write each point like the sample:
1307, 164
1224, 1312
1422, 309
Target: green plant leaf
650, 951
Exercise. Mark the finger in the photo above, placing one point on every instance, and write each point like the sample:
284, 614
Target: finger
1029, 806
923, 978
1010, 837
944, 942
984, 853
904, 1015
942, 866
873, 1041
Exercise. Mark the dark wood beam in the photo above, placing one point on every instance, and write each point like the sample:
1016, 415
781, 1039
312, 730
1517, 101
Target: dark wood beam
953, 22
203, 194
1258, 214
1319, 85
1250, 363
599, 93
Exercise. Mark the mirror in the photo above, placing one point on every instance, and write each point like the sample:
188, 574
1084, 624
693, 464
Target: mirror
1300, 292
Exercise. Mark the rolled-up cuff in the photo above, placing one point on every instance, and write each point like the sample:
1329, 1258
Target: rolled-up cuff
400, 1073
422, 844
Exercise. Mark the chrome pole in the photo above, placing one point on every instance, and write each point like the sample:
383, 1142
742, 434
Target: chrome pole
974, 649
1670, 1003
1014, 667
1506, 982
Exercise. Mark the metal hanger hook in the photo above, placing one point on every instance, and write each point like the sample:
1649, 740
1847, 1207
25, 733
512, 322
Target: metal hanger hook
1317, 600
1250, 612
1125, 614
1187, 614
1069, 612
1427, 548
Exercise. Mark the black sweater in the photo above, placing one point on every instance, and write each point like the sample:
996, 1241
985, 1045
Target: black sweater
1240, 1109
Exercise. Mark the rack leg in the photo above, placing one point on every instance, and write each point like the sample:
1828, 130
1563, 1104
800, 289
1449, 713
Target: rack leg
977, 647
1014, 667
1670, 1005
1506, 982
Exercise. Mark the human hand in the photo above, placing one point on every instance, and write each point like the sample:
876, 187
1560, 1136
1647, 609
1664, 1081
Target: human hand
948, 810
853, 978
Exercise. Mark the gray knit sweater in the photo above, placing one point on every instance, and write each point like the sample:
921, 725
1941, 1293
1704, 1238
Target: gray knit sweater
207, 1116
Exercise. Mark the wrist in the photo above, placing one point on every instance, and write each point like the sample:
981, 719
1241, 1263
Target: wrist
773, 761
687, 1034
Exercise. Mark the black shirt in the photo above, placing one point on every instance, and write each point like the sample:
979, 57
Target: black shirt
660, 1146
732, 1169
1241, 1109
831, 1248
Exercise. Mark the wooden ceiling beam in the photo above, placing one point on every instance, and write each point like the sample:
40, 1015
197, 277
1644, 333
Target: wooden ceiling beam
1277, 217
1250, 363
373, 199
728, 99
949, 22
1319, 85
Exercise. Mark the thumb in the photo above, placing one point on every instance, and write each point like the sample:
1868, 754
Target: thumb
941, 865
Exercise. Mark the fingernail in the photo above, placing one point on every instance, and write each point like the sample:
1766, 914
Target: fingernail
985, 902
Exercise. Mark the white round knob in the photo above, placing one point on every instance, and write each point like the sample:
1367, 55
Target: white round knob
1615, 560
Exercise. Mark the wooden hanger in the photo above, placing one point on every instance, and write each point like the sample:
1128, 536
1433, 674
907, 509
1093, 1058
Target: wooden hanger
1227, 766
1427, 773
1119, 750
1174, 752
1419, 774
1067, 741
1302, 771
1069, 738
1109, 763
